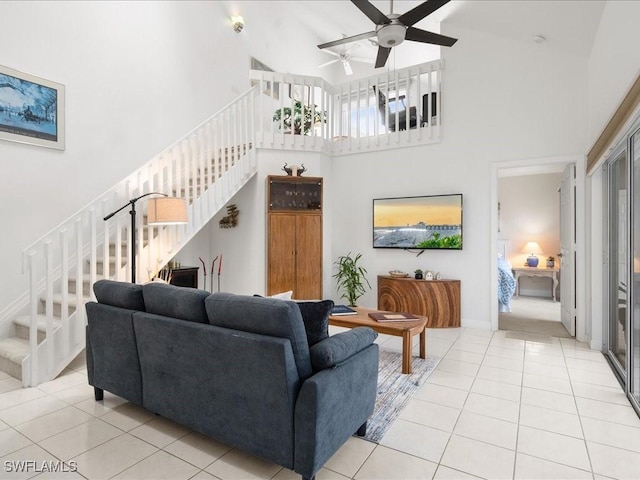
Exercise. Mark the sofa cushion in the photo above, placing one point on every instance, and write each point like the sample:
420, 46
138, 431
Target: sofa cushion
337, 348
315, 316
266, 316
119, 294
178, 302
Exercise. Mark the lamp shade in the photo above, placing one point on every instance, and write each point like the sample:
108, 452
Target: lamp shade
533, 248
167, 211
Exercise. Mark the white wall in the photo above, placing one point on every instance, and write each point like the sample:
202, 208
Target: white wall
138, 76
614, 63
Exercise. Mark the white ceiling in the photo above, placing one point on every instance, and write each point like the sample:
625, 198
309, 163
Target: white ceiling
295, 28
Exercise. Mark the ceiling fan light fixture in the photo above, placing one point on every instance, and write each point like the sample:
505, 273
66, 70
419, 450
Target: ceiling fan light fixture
391, 35
237, 22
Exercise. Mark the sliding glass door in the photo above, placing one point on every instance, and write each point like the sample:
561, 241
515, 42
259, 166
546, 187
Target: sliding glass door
622, 327
634, 316
618, 234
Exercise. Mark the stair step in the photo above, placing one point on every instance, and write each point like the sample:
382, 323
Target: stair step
23, 322
12, 351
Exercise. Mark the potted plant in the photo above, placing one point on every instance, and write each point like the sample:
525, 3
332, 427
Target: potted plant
351, 278
293, 121
418, 274
550, 262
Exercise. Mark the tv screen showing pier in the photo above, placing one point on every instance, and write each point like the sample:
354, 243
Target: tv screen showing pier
426, 222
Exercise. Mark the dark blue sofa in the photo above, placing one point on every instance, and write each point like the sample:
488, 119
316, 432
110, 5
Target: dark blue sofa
236, 368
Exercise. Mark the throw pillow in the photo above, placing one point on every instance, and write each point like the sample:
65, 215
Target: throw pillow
315, 316
283, 295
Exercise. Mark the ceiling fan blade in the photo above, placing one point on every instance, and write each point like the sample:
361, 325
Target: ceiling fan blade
423, 36
359, 59
329, 63
347, 68
383, 54
416, 14
375, 15
342, 41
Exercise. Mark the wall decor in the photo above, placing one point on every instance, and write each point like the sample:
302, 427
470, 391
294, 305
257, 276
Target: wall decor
231, 219
31, 109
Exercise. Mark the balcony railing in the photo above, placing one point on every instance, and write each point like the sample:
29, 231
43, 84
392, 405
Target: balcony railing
388, 110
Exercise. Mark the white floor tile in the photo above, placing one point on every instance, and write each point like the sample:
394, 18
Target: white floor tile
546, 399
53, 423
500, 375
350, 457
463, 356
551, 420
554, 447
160, 465
469, 346
75, 394
534, 368
13, 464
492, 407
64, 381
446, 473
597, 392
614, 462
415, 439
456, 366
533, 468
609, 412
160, 432
553, 360
388, 464
447, 396
237, 465
497, 362
612, 434
113, 457
31, 410
486, 429
11, 440
501, 390
448, 379
505, 353
595, 378
479, 458
197, 449
80, 439
557, 385
431, 415
128, 416
17, 397
97, 409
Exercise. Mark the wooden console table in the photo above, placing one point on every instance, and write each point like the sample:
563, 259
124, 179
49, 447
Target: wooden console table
438, 300
551, 273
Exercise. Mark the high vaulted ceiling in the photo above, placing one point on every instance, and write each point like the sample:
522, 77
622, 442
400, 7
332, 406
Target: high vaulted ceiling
288, 32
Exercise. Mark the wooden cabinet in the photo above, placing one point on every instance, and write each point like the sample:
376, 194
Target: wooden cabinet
294, 236
438, 300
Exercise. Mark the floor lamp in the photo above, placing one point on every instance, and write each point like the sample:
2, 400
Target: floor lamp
162, 211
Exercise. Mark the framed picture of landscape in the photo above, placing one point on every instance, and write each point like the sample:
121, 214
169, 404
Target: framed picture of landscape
31, 109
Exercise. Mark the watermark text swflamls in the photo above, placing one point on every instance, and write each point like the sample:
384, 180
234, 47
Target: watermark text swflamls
35, 466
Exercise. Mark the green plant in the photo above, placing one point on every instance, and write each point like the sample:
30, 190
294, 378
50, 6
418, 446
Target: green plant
435, 241
294, 121
351, 278
418, 271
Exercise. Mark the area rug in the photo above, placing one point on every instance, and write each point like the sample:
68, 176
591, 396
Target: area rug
395, 390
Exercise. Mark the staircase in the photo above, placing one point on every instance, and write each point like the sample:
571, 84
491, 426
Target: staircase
44, 330
206, 167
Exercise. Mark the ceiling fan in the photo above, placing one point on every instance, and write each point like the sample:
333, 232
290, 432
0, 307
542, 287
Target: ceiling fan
393, 29
344, 56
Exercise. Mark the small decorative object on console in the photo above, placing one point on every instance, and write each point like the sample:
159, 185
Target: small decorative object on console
428, 276
398, 273
294, 170
418, 275
550, 262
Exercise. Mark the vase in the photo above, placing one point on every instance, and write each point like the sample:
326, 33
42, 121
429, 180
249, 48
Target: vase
418, 276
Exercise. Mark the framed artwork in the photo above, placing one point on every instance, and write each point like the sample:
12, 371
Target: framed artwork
31, 109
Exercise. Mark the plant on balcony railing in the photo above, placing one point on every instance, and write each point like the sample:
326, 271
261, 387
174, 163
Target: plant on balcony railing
293, 120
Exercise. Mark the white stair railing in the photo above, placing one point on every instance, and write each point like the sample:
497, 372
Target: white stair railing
351, 117
206, 167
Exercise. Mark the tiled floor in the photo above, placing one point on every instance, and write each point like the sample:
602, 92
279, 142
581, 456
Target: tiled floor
497, 406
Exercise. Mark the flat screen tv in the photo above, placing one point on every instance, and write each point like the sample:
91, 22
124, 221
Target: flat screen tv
427, 222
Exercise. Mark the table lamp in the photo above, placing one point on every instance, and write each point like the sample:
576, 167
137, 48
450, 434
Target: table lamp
533, 249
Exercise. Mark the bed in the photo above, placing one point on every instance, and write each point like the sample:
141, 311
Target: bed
506, 284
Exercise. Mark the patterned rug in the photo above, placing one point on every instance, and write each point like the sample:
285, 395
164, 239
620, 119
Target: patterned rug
395, 390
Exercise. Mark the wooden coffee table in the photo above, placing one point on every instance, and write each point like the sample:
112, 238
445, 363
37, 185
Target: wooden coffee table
406, 330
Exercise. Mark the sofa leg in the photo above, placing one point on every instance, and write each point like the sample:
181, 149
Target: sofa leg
362, 431
98, 393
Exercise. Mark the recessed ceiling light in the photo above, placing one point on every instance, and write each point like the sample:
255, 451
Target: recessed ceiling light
539, 38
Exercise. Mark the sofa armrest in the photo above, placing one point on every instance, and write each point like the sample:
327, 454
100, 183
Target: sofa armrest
336, 349
331, 406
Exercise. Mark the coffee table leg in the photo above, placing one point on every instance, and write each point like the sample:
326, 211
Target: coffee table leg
406, 352
423, 343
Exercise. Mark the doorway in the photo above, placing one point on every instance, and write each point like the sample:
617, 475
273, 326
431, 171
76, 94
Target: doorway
528, 168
